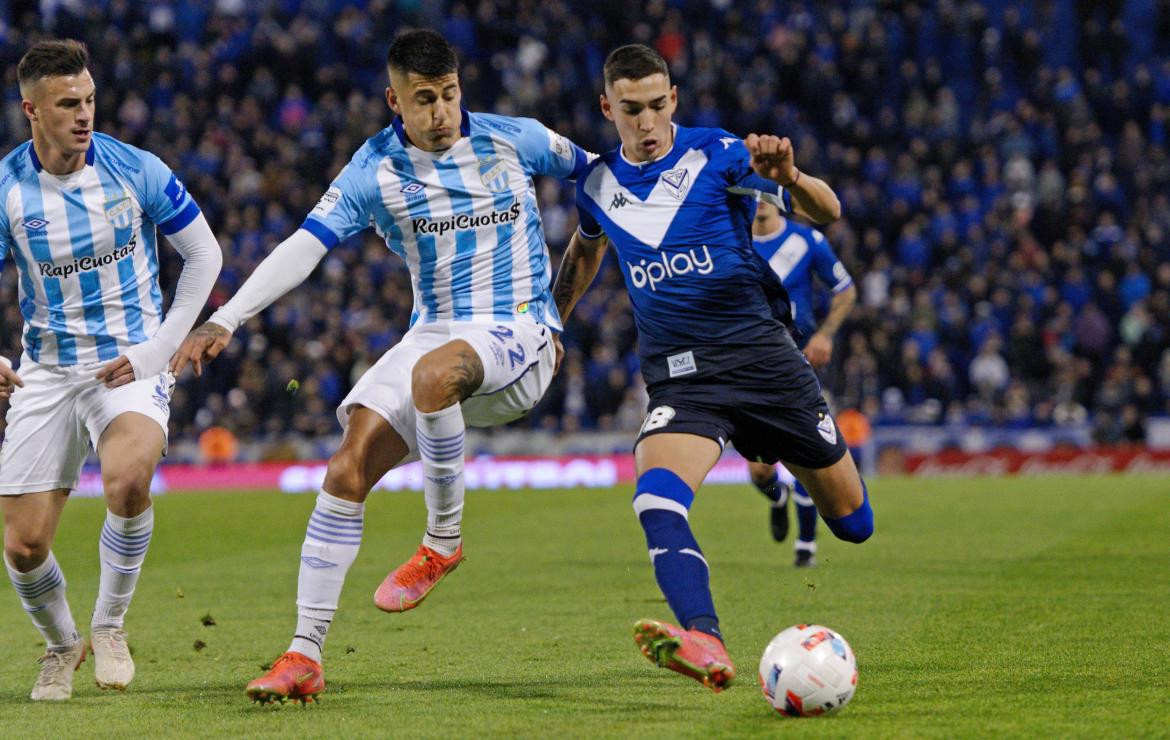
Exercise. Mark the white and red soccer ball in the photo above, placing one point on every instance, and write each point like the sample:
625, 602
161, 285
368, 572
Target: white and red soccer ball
808, 670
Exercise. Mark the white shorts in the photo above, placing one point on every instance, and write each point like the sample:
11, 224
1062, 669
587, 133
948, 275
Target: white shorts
60, 413
517, 357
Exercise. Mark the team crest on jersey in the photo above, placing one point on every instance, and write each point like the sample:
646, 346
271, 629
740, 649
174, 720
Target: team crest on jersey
494, 174
827, 429
120, 212
677, 182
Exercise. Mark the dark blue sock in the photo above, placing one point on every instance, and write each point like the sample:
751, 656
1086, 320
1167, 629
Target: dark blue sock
806, 514
661, 502
856, 526
771, 489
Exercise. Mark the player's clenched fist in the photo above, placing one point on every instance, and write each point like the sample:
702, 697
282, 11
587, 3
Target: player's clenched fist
201, 345
773, 157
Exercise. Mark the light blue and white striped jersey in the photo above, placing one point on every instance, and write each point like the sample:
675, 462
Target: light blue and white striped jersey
464, 219
86, 249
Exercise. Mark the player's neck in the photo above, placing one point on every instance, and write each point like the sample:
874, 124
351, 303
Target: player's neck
55, 161
770, 228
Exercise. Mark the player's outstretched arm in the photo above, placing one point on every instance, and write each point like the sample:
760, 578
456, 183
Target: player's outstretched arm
9, 380
285, 268
202, 260
774, 158
579, 266
819, 349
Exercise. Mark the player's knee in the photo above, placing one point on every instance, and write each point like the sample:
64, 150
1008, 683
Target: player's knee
762, 475
345, 477
26, 551
856, 526
661, 490
428, 387
127, 489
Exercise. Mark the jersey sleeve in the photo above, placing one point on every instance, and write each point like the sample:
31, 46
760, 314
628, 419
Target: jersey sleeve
586, 223
166, 201
827, 267
543, 151
344, 209
743, 180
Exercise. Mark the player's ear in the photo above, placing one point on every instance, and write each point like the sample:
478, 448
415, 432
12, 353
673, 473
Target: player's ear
606, 108
673, 98
29, 108
392, 99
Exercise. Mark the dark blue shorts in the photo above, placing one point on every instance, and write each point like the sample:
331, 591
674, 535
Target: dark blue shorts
770, 410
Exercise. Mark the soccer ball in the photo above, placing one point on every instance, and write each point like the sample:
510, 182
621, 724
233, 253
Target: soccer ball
808, 670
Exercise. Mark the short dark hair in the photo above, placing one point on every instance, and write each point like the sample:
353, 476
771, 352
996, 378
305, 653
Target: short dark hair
58, 58
423, 52
633, 62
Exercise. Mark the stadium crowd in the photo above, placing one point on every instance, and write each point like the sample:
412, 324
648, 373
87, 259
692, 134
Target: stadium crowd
1002, 165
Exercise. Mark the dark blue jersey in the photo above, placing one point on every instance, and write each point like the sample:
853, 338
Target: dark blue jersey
681, 226
796, 253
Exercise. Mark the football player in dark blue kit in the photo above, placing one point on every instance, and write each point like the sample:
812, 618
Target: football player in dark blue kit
677, 204
798, 253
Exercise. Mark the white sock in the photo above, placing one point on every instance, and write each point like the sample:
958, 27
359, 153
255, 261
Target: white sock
42, 594
121, 549
331, 545
802, 545
440, 442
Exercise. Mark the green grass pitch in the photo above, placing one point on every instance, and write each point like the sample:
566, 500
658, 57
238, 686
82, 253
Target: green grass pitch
981, 608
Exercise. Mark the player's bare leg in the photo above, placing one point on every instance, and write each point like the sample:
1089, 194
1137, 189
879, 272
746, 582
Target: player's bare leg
129, 449
840, 496
368, 450
30, 522
441, 379
670, 468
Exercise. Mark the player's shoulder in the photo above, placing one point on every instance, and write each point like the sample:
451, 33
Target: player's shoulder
383, 144
15, 167
509, 128
118, 155
713, 140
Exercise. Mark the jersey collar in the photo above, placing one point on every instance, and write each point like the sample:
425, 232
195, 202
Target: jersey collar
464, 127
36, 161
774, 234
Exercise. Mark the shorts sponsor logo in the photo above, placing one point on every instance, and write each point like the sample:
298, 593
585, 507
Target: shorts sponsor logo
827, 429
667, 266
466, 221
85, 264
681, 364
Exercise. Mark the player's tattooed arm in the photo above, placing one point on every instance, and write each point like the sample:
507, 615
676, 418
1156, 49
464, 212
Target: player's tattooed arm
774, 157
579, 266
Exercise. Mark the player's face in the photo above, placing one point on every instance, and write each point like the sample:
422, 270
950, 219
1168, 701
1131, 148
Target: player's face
429, 107
62, 110
641, 110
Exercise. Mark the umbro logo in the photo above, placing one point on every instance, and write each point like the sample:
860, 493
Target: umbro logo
619, 201
35, 224
413, 188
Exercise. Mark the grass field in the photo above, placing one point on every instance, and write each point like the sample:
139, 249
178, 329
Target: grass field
998, 607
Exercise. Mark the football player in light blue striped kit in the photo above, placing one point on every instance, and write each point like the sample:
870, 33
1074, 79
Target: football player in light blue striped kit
79, 215
451, 192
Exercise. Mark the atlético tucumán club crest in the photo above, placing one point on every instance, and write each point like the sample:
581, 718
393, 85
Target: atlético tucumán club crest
120, 212
494, 173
